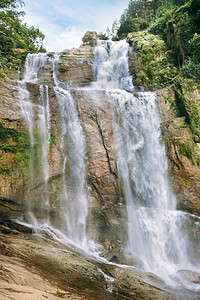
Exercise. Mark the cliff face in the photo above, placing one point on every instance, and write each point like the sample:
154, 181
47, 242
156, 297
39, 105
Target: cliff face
179, 106
19, 192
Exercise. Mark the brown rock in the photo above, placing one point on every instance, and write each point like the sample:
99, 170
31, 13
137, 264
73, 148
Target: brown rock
90, 38
75, 66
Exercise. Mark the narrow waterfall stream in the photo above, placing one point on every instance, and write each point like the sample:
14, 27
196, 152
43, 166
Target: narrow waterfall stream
156, 231
158, 235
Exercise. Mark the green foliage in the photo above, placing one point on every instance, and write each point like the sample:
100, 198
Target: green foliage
52, 142
191, 69
157, 64
131, 25
4, 170
103, 36
20, 145
14, 34
10, 3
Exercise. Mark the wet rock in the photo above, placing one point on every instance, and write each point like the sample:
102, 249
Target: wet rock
45, 75
182, 152
190, 275
106, 209
45, 269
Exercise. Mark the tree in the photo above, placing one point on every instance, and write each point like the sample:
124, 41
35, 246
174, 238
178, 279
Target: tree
15, 34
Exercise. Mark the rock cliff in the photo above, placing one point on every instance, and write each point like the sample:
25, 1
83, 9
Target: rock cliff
179, 108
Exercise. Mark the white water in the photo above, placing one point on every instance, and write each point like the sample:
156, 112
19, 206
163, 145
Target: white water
155, 229
72, 197
73, 153
111, 66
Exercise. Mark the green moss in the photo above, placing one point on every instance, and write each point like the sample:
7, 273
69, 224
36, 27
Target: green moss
7, 133
52, 142
184, 180
21, 149
187, 106
4, 170
187, 149
62, 70
157, 65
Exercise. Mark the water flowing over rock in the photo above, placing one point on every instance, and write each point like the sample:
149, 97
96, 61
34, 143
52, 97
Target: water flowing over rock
91, 173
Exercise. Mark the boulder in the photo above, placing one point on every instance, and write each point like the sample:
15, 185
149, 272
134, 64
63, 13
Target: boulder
90, 38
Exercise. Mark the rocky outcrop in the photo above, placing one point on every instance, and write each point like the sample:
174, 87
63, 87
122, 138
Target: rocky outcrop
34, 269
182, 151
90, 38
14, 143
75, 66
106, 209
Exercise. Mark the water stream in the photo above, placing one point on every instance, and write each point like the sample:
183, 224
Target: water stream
156, 231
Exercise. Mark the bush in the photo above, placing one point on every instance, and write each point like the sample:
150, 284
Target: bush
6, 43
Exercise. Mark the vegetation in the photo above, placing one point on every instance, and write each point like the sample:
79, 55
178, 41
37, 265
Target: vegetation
52, 142
177, 22
15, 142
16, 39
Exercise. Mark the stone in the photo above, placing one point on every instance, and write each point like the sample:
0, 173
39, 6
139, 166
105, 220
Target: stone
45, 75
90, 38
33, 269
75, 66
106, 209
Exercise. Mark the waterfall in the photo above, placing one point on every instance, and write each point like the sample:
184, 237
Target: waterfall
111, 66
156, 232
72, 196
73, 153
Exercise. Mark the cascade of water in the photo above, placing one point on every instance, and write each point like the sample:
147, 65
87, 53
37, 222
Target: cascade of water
73, 153
155, 228
73, 197
111, 66
44, 130
33, 63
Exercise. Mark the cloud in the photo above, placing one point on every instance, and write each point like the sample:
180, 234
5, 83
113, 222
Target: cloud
64, 22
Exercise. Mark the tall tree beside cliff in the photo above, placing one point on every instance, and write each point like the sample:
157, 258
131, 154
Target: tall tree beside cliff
16, 35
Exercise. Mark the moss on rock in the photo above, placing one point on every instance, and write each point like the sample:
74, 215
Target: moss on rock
157, 65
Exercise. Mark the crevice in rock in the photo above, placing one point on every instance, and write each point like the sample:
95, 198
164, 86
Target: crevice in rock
104, 145
7, 202
98, 193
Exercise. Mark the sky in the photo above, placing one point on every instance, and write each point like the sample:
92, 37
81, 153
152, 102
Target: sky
64, 22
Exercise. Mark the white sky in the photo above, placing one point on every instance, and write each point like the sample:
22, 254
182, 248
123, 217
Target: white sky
64, 22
